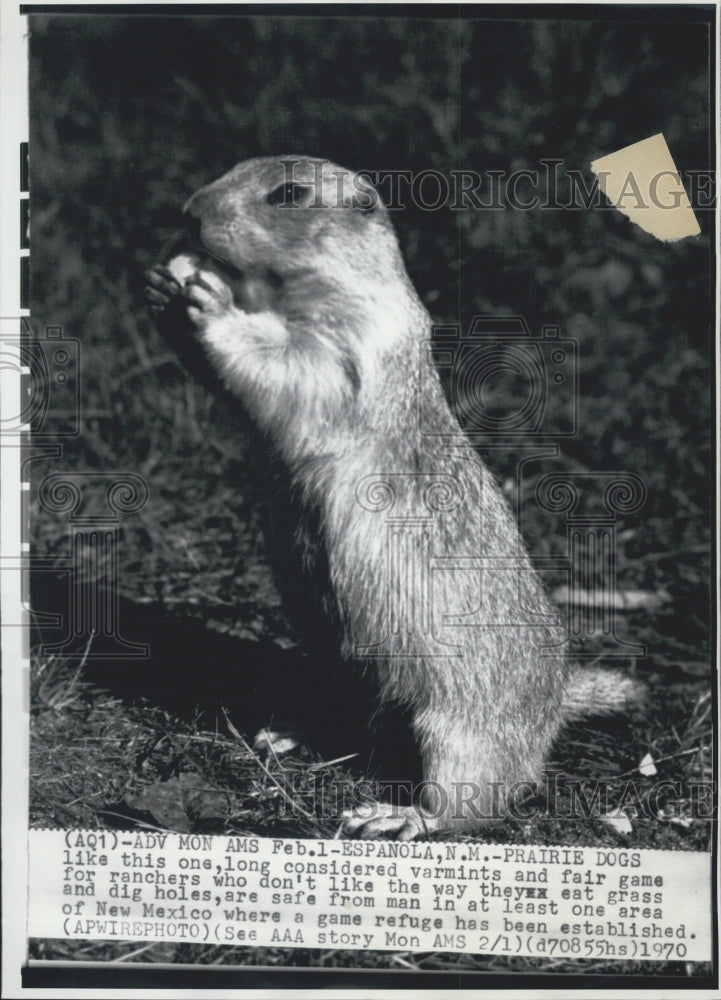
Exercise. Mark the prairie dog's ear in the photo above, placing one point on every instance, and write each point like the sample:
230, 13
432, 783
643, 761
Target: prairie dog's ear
352, 190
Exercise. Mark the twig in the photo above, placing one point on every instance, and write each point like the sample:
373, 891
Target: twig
330, 763
132, 954
408, 965
618, 600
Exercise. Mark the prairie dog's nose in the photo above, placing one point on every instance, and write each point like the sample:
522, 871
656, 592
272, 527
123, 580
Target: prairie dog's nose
205, 203
210, 208
193, 212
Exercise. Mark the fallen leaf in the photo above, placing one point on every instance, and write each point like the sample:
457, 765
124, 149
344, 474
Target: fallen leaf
618, 820
178, 802
647, 766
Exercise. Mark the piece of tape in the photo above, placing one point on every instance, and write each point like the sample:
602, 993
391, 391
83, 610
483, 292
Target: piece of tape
642, 181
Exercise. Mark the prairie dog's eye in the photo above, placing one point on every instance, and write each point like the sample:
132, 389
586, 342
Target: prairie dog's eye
286, 194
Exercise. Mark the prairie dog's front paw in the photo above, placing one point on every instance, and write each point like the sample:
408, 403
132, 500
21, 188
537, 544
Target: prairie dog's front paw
161, 288
208, 297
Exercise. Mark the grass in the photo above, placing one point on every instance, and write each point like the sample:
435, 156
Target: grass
127, 119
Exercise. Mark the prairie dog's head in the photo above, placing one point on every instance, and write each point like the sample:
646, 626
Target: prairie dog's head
294, 214
322, 307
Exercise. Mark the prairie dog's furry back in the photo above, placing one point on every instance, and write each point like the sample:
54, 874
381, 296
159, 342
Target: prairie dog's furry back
394, 547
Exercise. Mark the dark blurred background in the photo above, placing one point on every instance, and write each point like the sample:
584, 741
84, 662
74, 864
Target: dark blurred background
130, 114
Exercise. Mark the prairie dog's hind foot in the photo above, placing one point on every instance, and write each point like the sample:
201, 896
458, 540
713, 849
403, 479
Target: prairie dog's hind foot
383, 819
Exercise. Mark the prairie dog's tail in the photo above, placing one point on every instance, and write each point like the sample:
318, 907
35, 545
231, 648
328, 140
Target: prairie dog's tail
599, 691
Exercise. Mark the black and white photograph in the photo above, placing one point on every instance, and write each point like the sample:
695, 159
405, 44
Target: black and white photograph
365, 442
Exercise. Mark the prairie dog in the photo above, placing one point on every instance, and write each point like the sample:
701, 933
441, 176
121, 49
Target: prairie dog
394, 547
